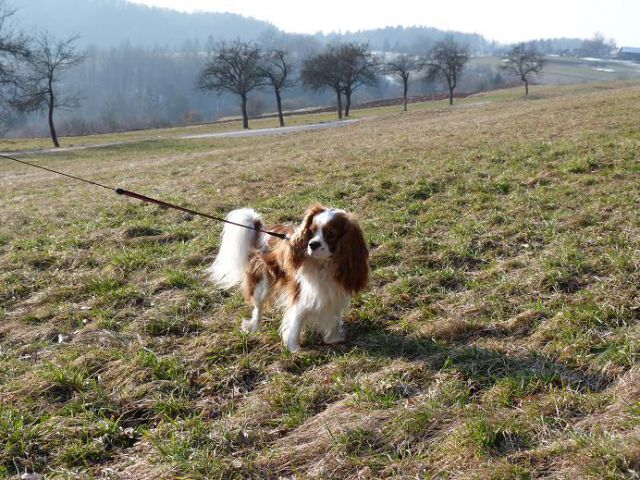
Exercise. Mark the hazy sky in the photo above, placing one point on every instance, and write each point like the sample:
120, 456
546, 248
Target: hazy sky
502, 20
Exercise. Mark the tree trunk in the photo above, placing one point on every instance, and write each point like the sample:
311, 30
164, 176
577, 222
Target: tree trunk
347, 105
451, 95
52, 128
526, 88
245, 117
404, 94
279, 102
339, 104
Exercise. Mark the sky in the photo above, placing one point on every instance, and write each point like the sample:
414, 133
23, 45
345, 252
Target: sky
506, 21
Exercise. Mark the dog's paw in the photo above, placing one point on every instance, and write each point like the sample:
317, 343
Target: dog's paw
249, 326
337, 336
292, 345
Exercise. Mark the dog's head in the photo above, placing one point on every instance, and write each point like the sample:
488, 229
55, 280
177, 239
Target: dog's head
331, 235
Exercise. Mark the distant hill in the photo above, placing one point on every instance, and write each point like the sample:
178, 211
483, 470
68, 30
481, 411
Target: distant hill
112, 23
415, 39
106, 23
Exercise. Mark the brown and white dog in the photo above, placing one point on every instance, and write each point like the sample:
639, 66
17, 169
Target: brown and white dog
312, 275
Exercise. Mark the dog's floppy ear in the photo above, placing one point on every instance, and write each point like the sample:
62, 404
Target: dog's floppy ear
351, 259
300, 238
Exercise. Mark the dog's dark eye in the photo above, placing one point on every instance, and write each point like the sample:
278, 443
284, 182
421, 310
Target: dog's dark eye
333, 236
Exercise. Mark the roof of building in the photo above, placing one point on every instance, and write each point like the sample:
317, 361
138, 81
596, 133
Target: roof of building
630, 50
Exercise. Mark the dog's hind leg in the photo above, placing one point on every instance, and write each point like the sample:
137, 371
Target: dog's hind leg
260, 294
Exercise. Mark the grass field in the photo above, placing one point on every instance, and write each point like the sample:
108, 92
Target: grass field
500, 336
560, 70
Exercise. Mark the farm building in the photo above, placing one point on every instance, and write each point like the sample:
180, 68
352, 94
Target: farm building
629, 53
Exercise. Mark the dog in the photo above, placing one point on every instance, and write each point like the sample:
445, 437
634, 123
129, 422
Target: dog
312, 274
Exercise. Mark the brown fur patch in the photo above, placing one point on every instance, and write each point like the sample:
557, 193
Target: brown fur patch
350, 254
269, 264
299, 240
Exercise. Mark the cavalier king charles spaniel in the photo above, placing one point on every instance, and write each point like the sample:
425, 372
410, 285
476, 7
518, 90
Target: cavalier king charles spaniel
312, 274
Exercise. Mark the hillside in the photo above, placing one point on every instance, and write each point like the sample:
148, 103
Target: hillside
110, 23
561, 70
499, 338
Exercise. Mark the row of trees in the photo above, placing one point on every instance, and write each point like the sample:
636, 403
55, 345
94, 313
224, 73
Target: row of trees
242, 67
445, 62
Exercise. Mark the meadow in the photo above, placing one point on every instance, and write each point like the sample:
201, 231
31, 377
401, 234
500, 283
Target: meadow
499, 338
567, 70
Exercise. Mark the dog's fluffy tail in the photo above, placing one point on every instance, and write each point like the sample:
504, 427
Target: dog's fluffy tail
229, 267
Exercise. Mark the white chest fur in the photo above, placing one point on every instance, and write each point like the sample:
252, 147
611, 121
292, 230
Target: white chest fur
318, 290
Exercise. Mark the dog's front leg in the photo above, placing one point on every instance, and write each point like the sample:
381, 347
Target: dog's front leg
333, 331
291, 326
250, 325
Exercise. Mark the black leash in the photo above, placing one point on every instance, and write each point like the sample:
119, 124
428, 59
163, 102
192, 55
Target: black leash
144, 198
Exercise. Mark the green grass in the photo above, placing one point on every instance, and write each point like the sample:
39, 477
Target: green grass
499, 337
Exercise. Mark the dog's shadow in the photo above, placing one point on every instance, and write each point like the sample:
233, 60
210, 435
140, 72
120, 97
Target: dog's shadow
486, 366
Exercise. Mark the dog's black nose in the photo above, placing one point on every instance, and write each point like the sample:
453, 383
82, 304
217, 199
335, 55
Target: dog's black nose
315, 244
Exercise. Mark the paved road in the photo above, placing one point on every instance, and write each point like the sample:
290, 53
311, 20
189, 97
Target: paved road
260, 132
274, 131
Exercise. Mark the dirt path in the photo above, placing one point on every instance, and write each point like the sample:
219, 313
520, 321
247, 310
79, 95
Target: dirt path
260, 132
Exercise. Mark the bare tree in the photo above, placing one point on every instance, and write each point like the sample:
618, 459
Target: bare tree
47, 61
402, 66
446, 61
235, 68
13, 49
275, 68
323, 71
343, 68
523, 61
357, 67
